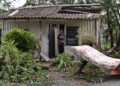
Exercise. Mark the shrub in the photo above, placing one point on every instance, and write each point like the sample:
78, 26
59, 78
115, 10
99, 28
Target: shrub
63, 60
24, 40
16, 66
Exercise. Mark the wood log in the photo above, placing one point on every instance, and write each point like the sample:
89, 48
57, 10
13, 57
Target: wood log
95, 57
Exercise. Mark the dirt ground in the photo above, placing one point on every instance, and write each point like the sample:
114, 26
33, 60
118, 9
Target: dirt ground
108, 83
62, 79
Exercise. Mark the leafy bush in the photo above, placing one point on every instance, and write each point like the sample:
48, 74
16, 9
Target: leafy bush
16, 66
63, 60
24, 40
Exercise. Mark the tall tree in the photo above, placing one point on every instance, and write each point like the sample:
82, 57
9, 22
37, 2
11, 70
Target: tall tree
115, 6
6, 4
55, 2
80, 1
109, 18
113, 16
88, 1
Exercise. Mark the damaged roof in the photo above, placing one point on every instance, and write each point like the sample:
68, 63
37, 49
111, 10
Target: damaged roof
81, 11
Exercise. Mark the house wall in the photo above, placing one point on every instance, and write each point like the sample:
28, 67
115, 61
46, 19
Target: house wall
32, 26
45, 40
87, 28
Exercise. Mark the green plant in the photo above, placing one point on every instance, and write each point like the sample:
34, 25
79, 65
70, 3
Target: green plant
91, 78
16, 66
106, 46
92, 73
2, 11
92, 68
24, 40
63, 60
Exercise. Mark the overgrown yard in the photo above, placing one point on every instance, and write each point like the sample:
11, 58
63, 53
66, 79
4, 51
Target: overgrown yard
18, 67
91, 77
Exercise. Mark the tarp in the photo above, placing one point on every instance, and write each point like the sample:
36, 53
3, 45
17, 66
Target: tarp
95, 57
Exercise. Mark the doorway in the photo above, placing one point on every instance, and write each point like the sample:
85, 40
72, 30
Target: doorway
52, 40
54, 31
61, 39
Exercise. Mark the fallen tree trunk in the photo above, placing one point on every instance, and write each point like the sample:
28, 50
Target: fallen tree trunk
95, 57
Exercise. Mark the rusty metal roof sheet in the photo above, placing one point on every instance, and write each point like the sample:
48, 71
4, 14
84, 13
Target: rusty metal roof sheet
55, 12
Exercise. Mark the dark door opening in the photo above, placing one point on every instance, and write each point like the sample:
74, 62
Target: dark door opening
52, 40
61, 39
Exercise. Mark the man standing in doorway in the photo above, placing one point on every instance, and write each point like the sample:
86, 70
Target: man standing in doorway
61, 41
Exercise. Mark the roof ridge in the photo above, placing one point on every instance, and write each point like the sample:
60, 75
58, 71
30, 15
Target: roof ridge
66, 5
55, 12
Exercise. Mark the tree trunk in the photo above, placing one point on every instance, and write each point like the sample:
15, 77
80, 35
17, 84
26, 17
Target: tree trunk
27, 2
112, 39
109, 22
116, 14
84, 63
118, 41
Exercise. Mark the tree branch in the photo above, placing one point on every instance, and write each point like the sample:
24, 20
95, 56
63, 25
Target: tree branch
6, 4
27, 3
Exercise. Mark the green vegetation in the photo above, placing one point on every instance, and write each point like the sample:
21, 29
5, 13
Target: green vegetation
17, 66
106, 46
2, 11
59, 2
92, 74
63, 60
24, 40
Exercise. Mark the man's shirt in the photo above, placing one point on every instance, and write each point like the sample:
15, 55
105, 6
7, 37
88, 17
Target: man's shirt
61, 39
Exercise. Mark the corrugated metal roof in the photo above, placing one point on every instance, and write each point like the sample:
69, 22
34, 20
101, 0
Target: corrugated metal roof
55, 12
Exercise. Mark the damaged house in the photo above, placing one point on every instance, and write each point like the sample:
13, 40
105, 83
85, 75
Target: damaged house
46, 21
